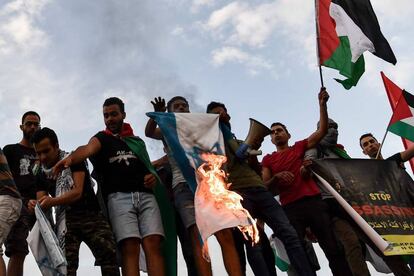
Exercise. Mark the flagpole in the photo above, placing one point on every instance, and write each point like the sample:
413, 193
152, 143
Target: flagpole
382, 142
317, 42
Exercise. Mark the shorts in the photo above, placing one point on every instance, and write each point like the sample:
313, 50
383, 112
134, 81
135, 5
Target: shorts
184, 203
134, 215
16, 242
10, 208
93, 229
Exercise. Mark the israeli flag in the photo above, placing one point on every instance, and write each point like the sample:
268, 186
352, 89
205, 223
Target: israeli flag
188, 135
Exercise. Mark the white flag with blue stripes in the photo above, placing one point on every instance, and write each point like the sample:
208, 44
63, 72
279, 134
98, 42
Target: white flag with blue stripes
188, 135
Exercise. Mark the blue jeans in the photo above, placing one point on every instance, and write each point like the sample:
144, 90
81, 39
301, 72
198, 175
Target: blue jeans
261, 204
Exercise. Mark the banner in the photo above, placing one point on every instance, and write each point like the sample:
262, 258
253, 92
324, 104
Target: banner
380, 192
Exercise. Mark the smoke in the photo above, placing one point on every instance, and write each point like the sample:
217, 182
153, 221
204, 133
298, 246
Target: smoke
63, 58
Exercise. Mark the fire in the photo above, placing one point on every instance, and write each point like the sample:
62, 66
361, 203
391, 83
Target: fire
218, 190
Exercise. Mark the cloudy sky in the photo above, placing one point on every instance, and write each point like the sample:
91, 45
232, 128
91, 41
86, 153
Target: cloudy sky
63, 58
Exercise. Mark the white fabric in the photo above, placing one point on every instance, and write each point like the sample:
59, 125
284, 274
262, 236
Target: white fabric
45, 248
358, 41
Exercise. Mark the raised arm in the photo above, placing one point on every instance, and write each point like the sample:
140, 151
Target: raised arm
407, 154
151, 129
78, 156
317, 136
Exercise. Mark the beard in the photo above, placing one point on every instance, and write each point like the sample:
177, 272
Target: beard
27, 135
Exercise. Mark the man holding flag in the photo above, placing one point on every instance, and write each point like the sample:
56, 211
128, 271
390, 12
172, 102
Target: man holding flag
128, 179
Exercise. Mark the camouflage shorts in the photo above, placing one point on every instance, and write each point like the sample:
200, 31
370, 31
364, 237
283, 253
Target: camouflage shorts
94, 230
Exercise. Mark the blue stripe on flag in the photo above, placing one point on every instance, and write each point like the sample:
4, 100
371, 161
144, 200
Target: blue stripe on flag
167, 124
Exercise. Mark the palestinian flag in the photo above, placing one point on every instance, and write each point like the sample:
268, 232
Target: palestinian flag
394, 94
402, 121
346, 29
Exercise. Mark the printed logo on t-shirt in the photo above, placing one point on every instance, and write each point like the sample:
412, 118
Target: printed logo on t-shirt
122, 155
25, 164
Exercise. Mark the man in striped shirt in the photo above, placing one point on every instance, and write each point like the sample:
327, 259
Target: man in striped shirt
10, 205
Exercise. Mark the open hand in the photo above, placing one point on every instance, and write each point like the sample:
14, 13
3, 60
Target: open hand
159, 104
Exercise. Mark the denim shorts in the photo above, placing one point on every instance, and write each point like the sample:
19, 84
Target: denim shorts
134, 215
184, 203
10, 208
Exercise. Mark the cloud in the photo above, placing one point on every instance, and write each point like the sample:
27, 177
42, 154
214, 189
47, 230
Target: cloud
199, 4
240, 23
235, 55
62, 58
267, 31
18, 31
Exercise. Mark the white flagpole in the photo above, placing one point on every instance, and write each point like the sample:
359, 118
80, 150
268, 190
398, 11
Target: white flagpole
374, 236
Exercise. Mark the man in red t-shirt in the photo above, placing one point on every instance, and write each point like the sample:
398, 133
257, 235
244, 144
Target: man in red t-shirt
300, 197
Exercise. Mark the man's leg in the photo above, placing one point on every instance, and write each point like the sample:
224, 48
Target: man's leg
203, 267
153, 256
352, 247
260, 202
130, 256
184, 203
10, 208
186, 246
123, 217
320, 224
97, 235
16, 243
72, 245
228, 250
239, 243
152, 232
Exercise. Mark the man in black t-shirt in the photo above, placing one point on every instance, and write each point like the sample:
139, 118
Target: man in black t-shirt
123, 165
22, 161
370, 147
72, 194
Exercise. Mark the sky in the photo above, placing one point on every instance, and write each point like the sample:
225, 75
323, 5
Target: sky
63, 58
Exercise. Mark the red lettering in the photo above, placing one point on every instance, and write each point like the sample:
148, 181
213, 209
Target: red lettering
396, 210
367, 210
386, 209
358, 209
378, 211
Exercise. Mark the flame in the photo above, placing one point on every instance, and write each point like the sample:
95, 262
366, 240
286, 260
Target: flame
217, 189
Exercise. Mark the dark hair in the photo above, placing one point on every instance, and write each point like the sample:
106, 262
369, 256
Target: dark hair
29, 113
213, 105
44, 133
173, 99
282, 125
364, 136
117, 101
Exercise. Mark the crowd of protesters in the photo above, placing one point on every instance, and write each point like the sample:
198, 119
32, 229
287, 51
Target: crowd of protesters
125, 216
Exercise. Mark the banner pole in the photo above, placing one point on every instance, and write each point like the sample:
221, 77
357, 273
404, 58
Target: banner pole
371, 233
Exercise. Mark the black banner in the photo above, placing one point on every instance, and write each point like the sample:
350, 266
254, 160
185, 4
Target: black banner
381, 192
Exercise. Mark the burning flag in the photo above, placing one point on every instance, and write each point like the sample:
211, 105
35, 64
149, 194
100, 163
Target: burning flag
214, 200
198, 147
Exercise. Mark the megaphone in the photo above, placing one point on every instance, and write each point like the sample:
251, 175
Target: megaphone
254, 139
